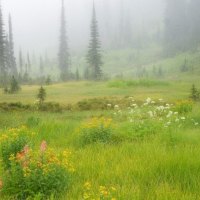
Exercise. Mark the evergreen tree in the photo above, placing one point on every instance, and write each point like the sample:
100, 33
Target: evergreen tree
41, 95
14, 86
94, 57
21, 62
13, 66
8, 63
195, 94
3, 71
63, 54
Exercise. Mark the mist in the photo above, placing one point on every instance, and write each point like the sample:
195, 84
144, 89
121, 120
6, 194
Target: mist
36, 23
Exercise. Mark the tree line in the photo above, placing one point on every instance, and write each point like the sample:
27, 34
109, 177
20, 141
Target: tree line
8, 65
182, 26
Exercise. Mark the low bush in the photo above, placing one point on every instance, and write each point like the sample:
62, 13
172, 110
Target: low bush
18, 106
13, 142
136, 83
49, 107
97, 130
37, 174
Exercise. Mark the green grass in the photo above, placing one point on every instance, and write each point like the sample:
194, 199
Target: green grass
163, 166
72, 92
151, 162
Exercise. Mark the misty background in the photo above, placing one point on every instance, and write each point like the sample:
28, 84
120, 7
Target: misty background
36, 23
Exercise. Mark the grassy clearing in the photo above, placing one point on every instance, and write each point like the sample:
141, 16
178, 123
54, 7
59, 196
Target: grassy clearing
162, 164
72, 92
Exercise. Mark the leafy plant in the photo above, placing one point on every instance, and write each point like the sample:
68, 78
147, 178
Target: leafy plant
97, 130
37, 174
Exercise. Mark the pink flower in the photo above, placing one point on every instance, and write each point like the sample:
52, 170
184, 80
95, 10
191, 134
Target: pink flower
43, 146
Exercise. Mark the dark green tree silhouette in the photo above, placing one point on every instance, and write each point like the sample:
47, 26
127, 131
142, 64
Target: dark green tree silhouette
94, 57
63, 55
41, 95
13, 66
195, 94
14, 85
21, 62
3, 71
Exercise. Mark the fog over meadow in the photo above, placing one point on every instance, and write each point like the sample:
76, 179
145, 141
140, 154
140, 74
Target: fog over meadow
36, 23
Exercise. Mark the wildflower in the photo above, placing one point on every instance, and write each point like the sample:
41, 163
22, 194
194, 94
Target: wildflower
148, 100
43, 146
182, 118
196, 123
116, 107
109, 105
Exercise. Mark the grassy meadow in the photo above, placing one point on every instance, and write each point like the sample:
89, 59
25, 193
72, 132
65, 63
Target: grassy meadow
150, 156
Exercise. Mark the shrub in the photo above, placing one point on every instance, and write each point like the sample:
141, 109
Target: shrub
50, 107
195, 94
41, 95
42, 173
18, 106
13, 142
97, 130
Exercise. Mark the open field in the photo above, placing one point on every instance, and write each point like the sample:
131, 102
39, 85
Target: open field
144, 161
72, 92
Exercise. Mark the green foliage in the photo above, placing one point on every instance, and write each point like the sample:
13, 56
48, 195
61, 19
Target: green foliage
96, 131
136, 83
50, 107
195, 94
41, 95
13, 142
33, 174
184, 107
94, 56
143, 129
18, 106
14, 86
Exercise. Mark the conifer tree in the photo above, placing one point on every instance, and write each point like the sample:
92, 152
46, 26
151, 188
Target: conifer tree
195, 94
21, 62
14, 86
63, 54
7, 56
3, 71
13, 66
94, 57
41, 95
